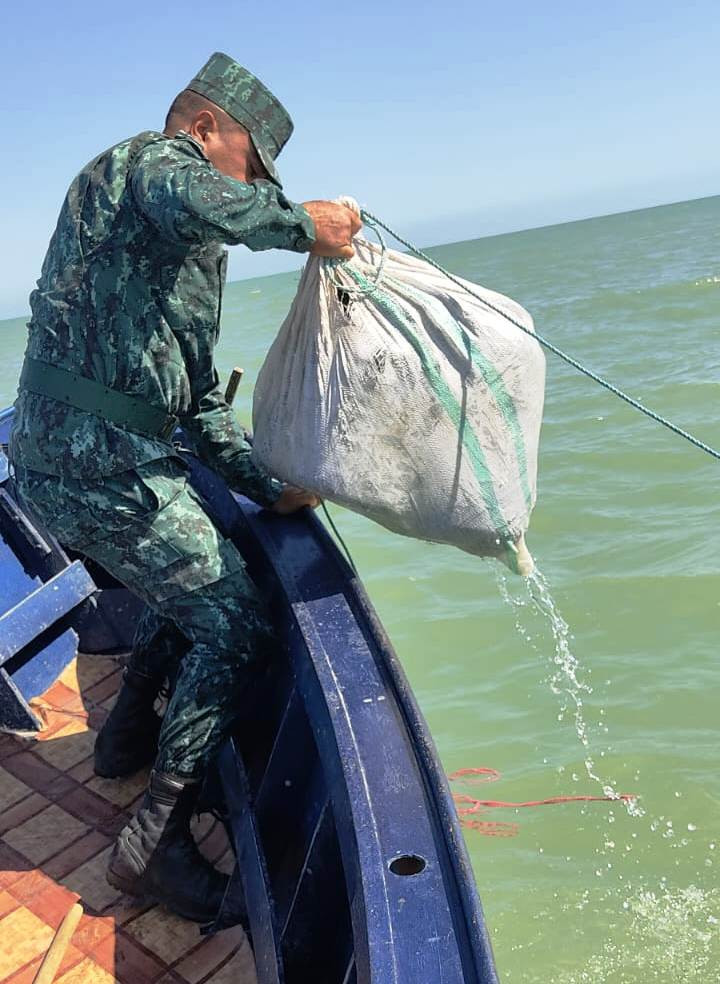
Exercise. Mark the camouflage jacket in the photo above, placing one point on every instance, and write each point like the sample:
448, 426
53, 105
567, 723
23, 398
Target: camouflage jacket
130, 295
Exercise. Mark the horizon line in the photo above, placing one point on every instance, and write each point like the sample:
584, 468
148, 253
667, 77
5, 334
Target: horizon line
493, 235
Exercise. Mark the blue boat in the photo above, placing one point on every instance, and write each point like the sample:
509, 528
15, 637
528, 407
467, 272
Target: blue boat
350, 862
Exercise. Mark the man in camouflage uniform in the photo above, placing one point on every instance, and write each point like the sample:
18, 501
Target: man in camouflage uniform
124, 322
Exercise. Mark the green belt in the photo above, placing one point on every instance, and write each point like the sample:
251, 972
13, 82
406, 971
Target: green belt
78, 391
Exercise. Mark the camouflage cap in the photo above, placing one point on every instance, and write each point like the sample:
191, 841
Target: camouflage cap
243, 96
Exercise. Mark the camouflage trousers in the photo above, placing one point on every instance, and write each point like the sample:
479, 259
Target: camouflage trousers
205, 621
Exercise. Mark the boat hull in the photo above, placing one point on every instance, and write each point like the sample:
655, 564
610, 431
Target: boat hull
351, 863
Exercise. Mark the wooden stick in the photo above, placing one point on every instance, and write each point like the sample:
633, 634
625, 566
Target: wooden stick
232, 387
56, 951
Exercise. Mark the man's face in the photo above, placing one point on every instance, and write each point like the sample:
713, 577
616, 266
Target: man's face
228, 147
233, 153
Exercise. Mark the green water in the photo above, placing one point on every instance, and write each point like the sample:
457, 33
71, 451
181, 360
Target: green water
626, 533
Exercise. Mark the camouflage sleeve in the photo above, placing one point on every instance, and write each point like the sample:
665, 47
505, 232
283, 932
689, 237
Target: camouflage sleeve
210, 424
218, 439
190, 201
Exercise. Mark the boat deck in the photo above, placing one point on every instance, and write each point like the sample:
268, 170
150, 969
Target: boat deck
57, 825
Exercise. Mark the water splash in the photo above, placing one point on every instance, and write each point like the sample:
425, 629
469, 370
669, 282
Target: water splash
566, 680
669, 935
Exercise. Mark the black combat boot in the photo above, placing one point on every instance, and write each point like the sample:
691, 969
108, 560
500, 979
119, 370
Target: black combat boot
128, 740
156, 856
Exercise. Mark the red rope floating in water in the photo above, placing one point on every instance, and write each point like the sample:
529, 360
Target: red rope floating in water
468, 806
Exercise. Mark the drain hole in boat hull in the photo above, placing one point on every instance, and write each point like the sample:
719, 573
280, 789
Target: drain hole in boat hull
408, 864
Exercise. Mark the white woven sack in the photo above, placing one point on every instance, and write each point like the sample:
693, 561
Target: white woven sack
407, 400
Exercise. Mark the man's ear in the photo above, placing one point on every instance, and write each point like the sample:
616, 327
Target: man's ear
204, 125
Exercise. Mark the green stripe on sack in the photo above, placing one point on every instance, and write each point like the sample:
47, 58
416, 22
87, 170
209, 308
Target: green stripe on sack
492, 379
445, 396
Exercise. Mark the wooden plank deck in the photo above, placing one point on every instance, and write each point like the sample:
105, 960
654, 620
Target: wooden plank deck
57, 824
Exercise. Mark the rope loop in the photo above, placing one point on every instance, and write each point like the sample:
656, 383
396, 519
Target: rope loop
370, 284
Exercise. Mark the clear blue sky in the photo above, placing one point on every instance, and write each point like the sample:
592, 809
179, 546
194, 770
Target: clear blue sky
450, 120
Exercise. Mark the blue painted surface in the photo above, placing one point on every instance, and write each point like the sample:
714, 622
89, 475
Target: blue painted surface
35, 643
15, 713
6, 418
40, 593
40, 610
34, 675
252, 864
16, 583
385, 789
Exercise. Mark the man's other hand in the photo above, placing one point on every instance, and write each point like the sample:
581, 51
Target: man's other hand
335, 225
292, 498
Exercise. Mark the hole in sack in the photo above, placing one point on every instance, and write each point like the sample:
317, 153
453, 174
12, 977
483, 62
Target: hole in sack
345, 300
408, 864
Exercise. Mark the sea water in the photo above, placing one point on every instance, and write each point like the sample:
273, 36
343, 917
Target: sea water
600, 676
